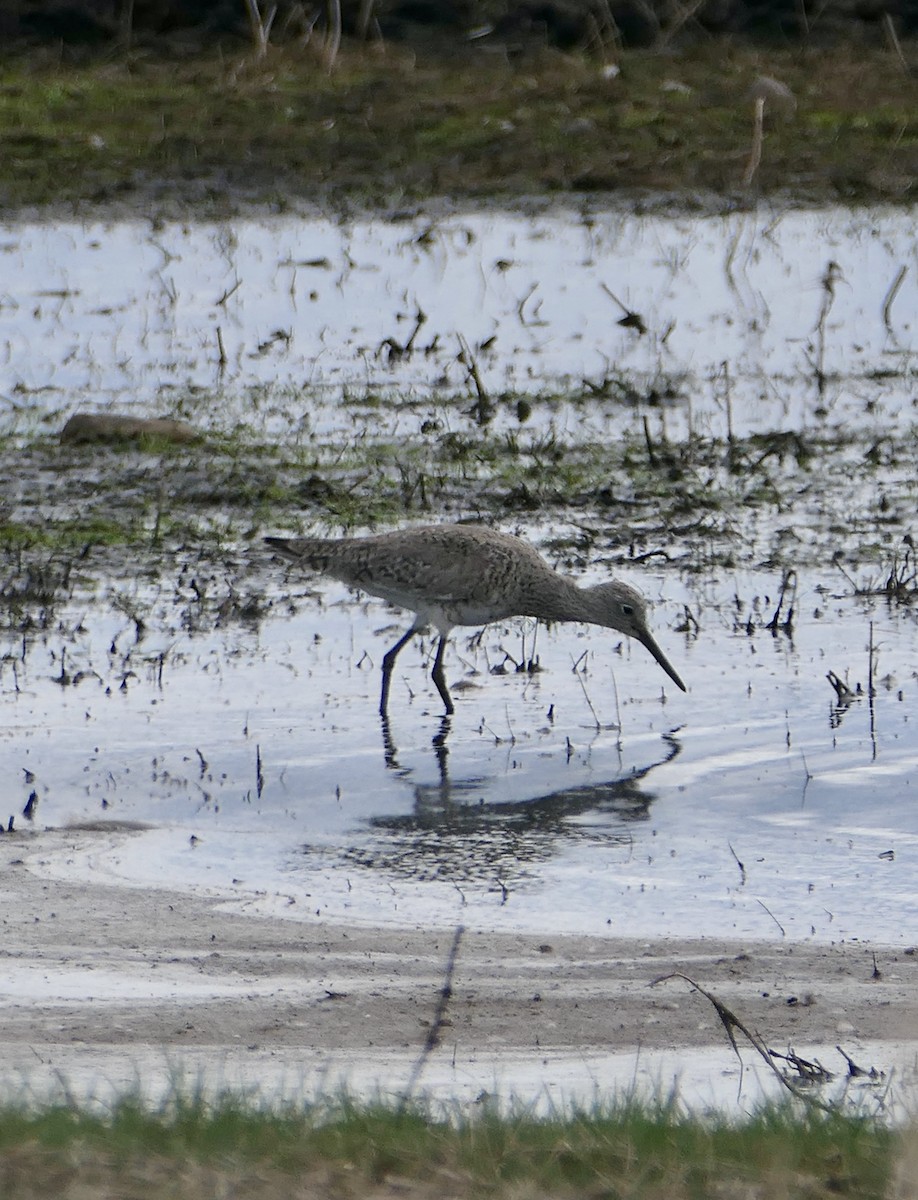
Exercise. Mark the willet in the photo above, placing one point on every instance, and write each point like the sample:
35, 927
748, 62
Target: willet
452, 575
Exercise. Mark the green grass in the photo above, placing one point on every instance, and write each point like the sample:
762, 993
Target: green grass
702, 498
68, 534
345, 1148
382, 127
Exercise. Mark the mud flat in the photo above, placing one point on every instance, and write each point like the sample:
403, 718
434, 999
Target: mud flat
108, 988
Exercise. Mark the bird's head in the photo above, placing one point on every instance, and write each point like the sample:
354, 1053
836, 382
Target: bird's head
621, 607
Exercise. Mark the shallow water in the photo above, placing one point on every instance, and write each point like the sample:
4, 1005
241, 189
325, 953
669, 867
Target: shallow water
591, 800
264, 772
743, 314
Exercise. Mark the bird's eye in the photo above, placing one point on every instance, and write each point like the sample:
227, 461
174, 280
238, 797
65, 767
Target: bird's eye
628, 610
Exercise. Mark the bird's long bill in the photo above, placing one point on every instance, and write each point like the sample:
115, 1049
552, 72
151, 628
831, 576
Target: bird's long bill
648, 640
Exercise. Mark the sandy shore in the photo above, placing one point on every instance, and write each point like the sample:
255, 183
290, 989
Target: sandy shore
100, 981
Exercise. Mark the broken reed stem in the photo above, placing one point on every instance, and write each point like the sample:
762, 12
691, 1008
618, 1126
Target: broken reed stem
651, 456
594, 37
612, 33
773, 917
221, 359
261, 26
755, 154
871, 691
364, 17
730, 1022
893, 39
832, 274
333, 34
684, 13
439, 1019
728, 403
788, 587
586, 696
741, 865
484, 408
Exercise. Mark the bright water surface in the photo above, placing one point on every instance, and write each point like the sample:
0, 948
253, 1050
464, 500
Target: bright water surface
750, 807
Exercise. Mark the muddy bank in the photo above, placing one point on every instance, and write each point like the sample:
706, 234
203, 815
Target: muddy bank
145, 975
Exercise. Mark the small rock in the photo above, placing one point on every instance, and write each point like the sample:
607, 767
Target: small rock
105, 427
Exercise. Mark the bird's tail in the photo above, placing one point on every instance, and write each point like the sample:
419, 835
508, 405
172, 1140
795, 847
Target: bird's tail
308, 552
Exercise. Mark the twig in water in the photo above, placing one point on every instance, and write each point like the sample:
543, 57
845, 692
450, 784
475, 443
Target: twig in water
618, 709
832, 275
439, 1019
522, 304
773, 917
221, 359
740, 865
586, 696
854, 1070
871, 693
629, 319
809, 1071
420, 319
486, 728
850, 578
510, 732
229, 291
806, 779
484, 409
728, 402
788, 585
844, 694
651, 456
892, 293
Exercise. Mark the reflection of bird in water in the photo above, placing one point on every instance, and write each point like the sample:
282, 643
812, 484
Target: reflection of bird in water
456, 833
452, 575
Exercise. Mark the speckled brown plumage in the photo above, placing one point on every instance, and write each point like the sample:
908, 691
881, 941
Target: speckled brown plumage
452, 575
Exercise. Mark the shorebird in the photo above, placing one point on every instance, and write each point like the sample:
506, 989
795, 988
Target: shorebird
451, 575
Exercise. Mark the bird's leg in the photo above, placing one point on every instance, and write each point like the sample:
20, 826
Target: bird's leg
387, 664
390, 750
439, 678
